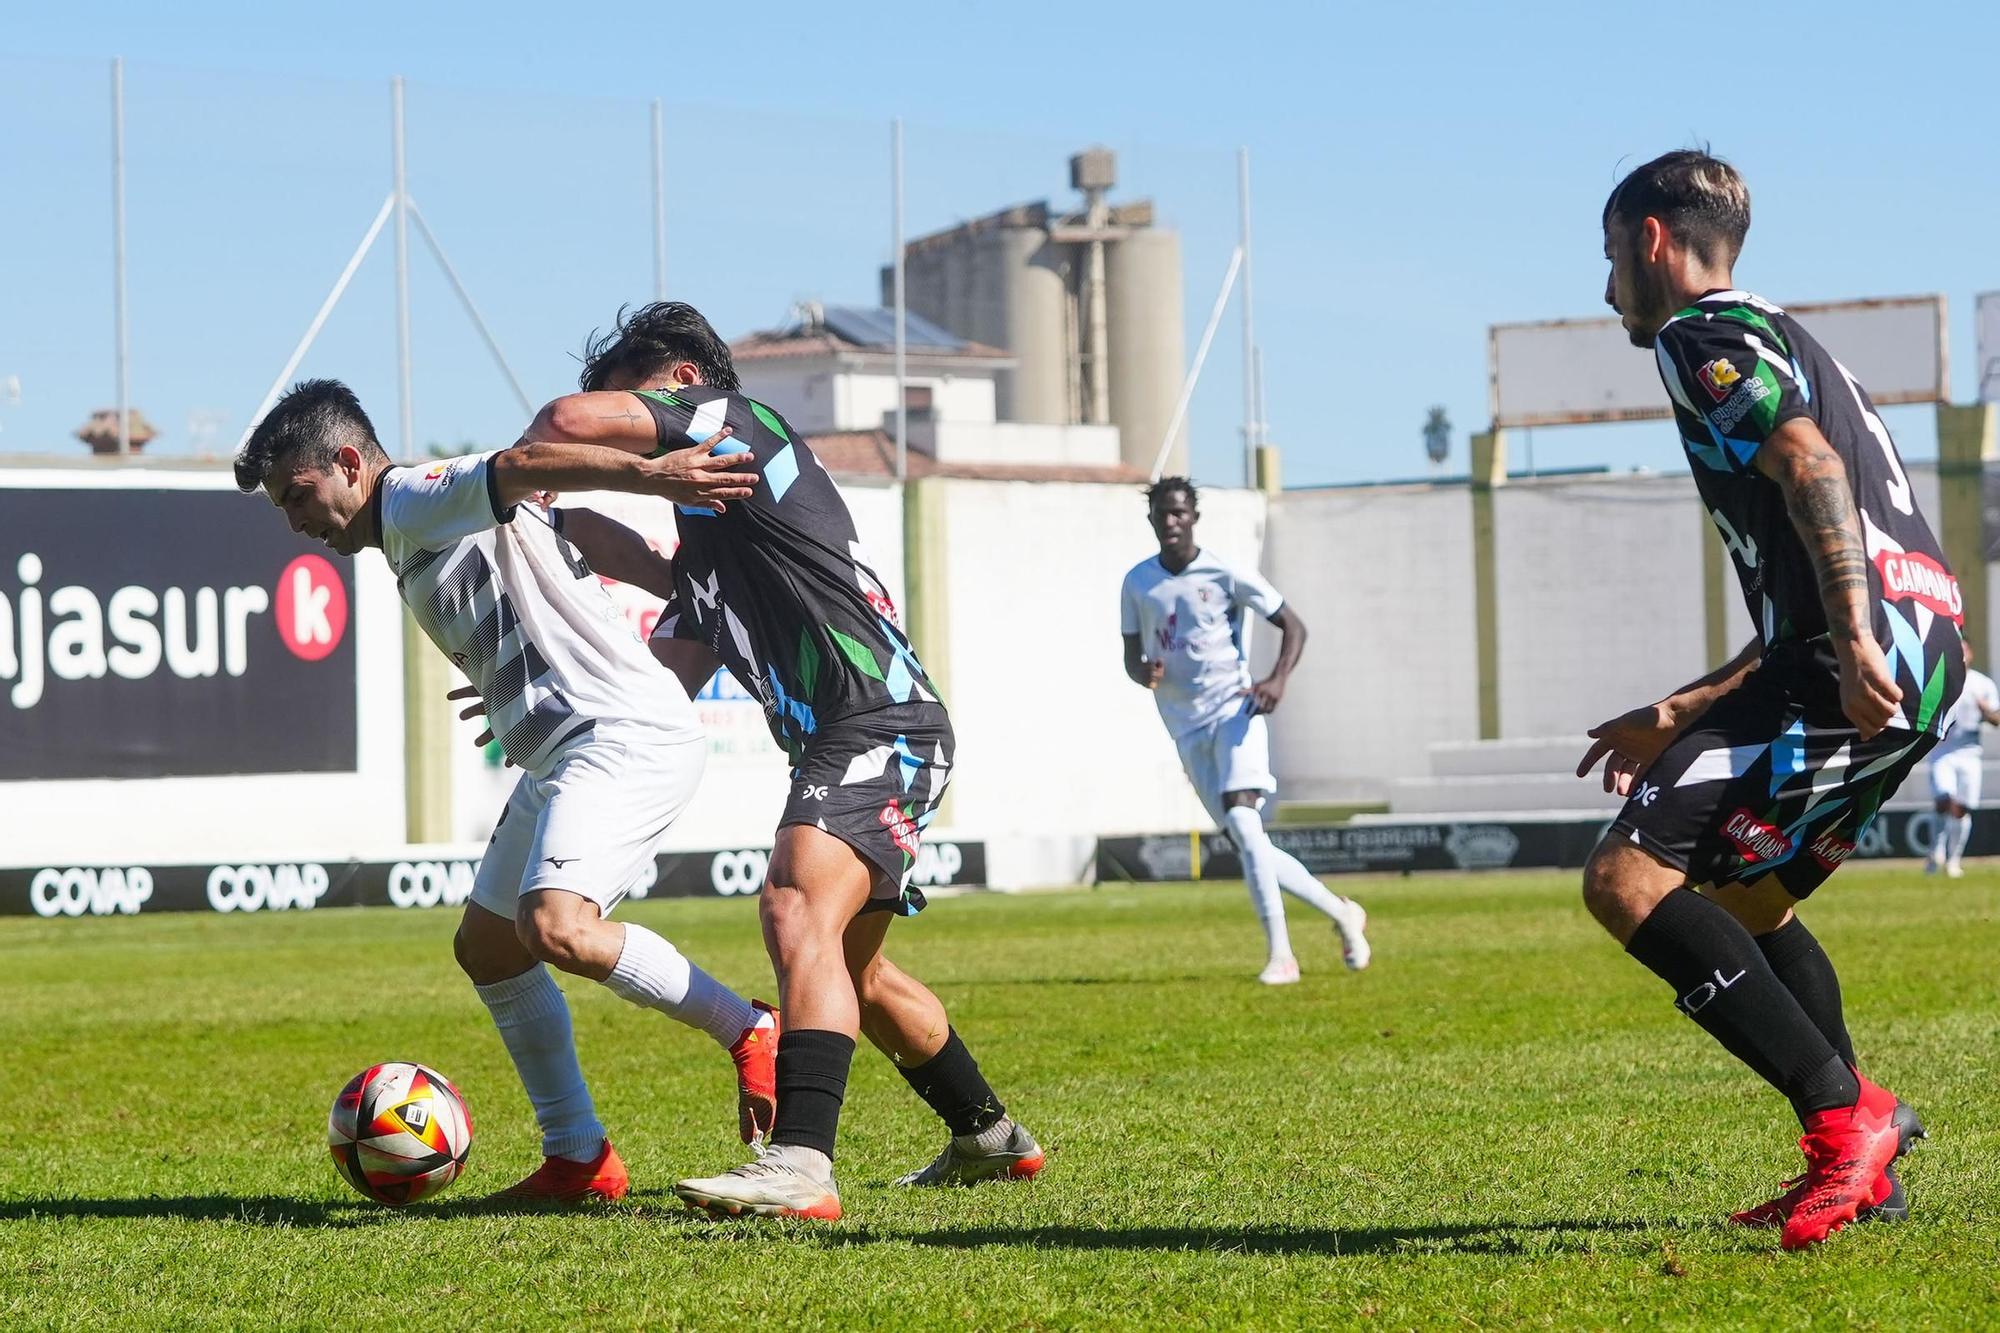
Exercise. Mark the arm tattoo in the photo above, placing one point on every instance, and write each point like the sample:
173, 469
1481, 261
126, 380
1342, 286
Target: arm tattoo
1821, 504
628, 415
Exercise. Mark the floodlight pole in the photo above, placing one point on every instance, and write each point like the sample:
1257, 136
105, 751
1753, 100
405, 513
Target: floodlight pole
902, 325
1251, 426
1194, 371
402, 197
659, 203
124, 330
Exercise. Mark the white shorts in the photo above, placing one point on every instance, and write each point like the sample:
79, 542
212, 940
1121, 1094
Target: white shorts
591, 824
1229, 754
1955, 776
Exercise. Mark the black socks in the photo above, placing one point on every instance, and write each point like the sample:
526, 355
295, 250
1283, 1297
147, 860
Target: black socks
1804, 969
950, 1084
1722, 981
812, 1083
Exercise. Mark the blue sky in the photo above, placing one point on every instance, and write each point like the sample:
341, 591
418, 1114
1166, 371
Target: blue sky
1421, 171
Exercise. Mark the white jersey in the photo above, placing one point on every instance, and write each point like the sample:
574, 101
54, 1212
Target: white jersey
1963, 721
509, 600
1193, 622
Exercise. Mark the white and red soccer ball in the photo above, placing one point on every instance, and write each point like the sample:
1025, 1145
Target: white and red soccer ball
399, 1132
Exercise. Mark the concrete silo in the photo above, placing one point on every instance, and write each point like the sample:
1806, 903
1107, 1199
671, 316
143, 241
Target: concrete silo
1000, 281
1148, 344
1088, 303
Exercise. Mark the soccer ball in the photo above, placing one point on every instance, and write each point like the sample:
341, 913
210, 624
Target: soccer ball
399, 1132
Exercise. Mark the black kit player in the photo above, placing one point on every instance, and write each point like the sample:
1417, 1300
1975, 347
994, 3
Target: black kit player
776, 590
1753, 783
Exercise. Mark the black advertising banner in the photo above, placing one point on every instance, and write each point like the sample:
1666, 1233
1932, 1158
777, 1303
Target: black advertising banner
152, 633
1485, 845
290, 886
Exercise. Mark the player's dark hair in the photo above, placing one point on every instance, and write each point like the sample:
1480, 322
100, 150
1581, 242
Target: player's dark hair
1698, 197
308, 425
1166, 486
646, 341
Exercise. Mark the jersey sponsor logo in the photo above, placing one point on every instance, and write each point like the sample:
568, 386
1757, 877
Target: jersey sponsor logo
1167, 636
1912, 576
1757, 840
81, 891
1830, 851
311, 609
1719, 377
1752, 392
901, 831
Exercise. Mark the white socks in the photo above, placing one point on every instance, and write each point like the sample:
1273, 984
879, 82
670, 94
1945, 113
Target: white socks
1260, 870
1958, 831
533, 1019
652, 973
1296, 880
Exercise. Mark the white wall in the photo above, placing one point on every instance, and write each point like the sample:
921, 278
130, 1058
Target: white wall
802, 392
866, 397
1053, 739
1601, 606
1382, 577
1017, 442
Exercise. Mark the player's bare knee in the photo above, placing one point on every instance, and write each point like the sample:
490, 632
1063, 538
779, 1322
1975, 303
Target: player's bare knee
1622, 884
558, 938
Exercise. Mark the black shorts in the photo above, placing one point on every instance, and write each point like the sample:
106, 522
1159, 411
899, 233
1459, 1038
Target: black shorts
874, 781
1772, 780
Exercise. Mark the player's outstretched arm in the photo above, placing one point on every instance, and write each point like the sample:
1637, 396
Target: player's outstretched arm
1269, 692
1138, 668
1821, 504
697, 477
615, 419
615, 551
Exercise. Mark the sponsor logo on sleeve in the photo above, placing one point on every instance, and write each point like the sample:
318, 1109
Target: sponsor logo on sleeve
1719, 377
1750, 393
1754, 838
1912, 576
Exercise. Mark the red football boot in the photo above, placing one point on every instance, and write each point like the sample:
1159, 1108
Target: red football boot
1892, 1207
756, 1057
1847, 1152
562, 1182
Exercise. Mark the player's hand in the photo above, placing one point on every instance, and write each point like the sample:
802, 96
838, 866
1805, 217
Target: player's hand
1629, 743
1151, 672
1266, 695
700, 478
477, 708
1869, 694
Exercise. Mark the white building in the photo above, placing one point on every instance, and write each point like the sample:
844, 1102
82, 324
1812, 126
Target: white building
832, 374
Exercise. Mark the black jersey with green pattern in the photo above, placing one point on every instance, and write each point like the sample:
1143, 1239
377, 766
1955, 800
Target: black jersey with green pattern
1737, 368
776, 585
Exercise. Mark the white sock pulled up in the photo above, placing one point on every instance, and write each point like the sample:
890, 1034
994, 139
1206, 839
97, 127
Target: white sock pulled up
653, 974
533, 1019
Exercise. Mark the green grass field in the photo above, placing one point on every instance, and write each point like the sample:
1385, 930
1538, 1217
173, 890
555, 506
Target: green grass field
1503, 1123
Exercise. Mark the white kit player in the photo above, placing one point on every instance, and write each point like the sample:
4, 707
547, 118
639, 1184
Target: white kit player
608, 744
1955, 768
1182, 615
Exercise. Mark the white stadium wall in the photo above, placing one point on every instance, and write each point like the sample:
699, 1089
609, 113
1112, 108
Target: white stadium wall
1600, 592
1054, 742
1383, 578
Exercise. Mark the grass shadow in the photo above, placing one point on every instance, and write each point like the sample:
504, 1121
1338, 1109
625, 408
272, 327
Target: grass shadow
1485, 1238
